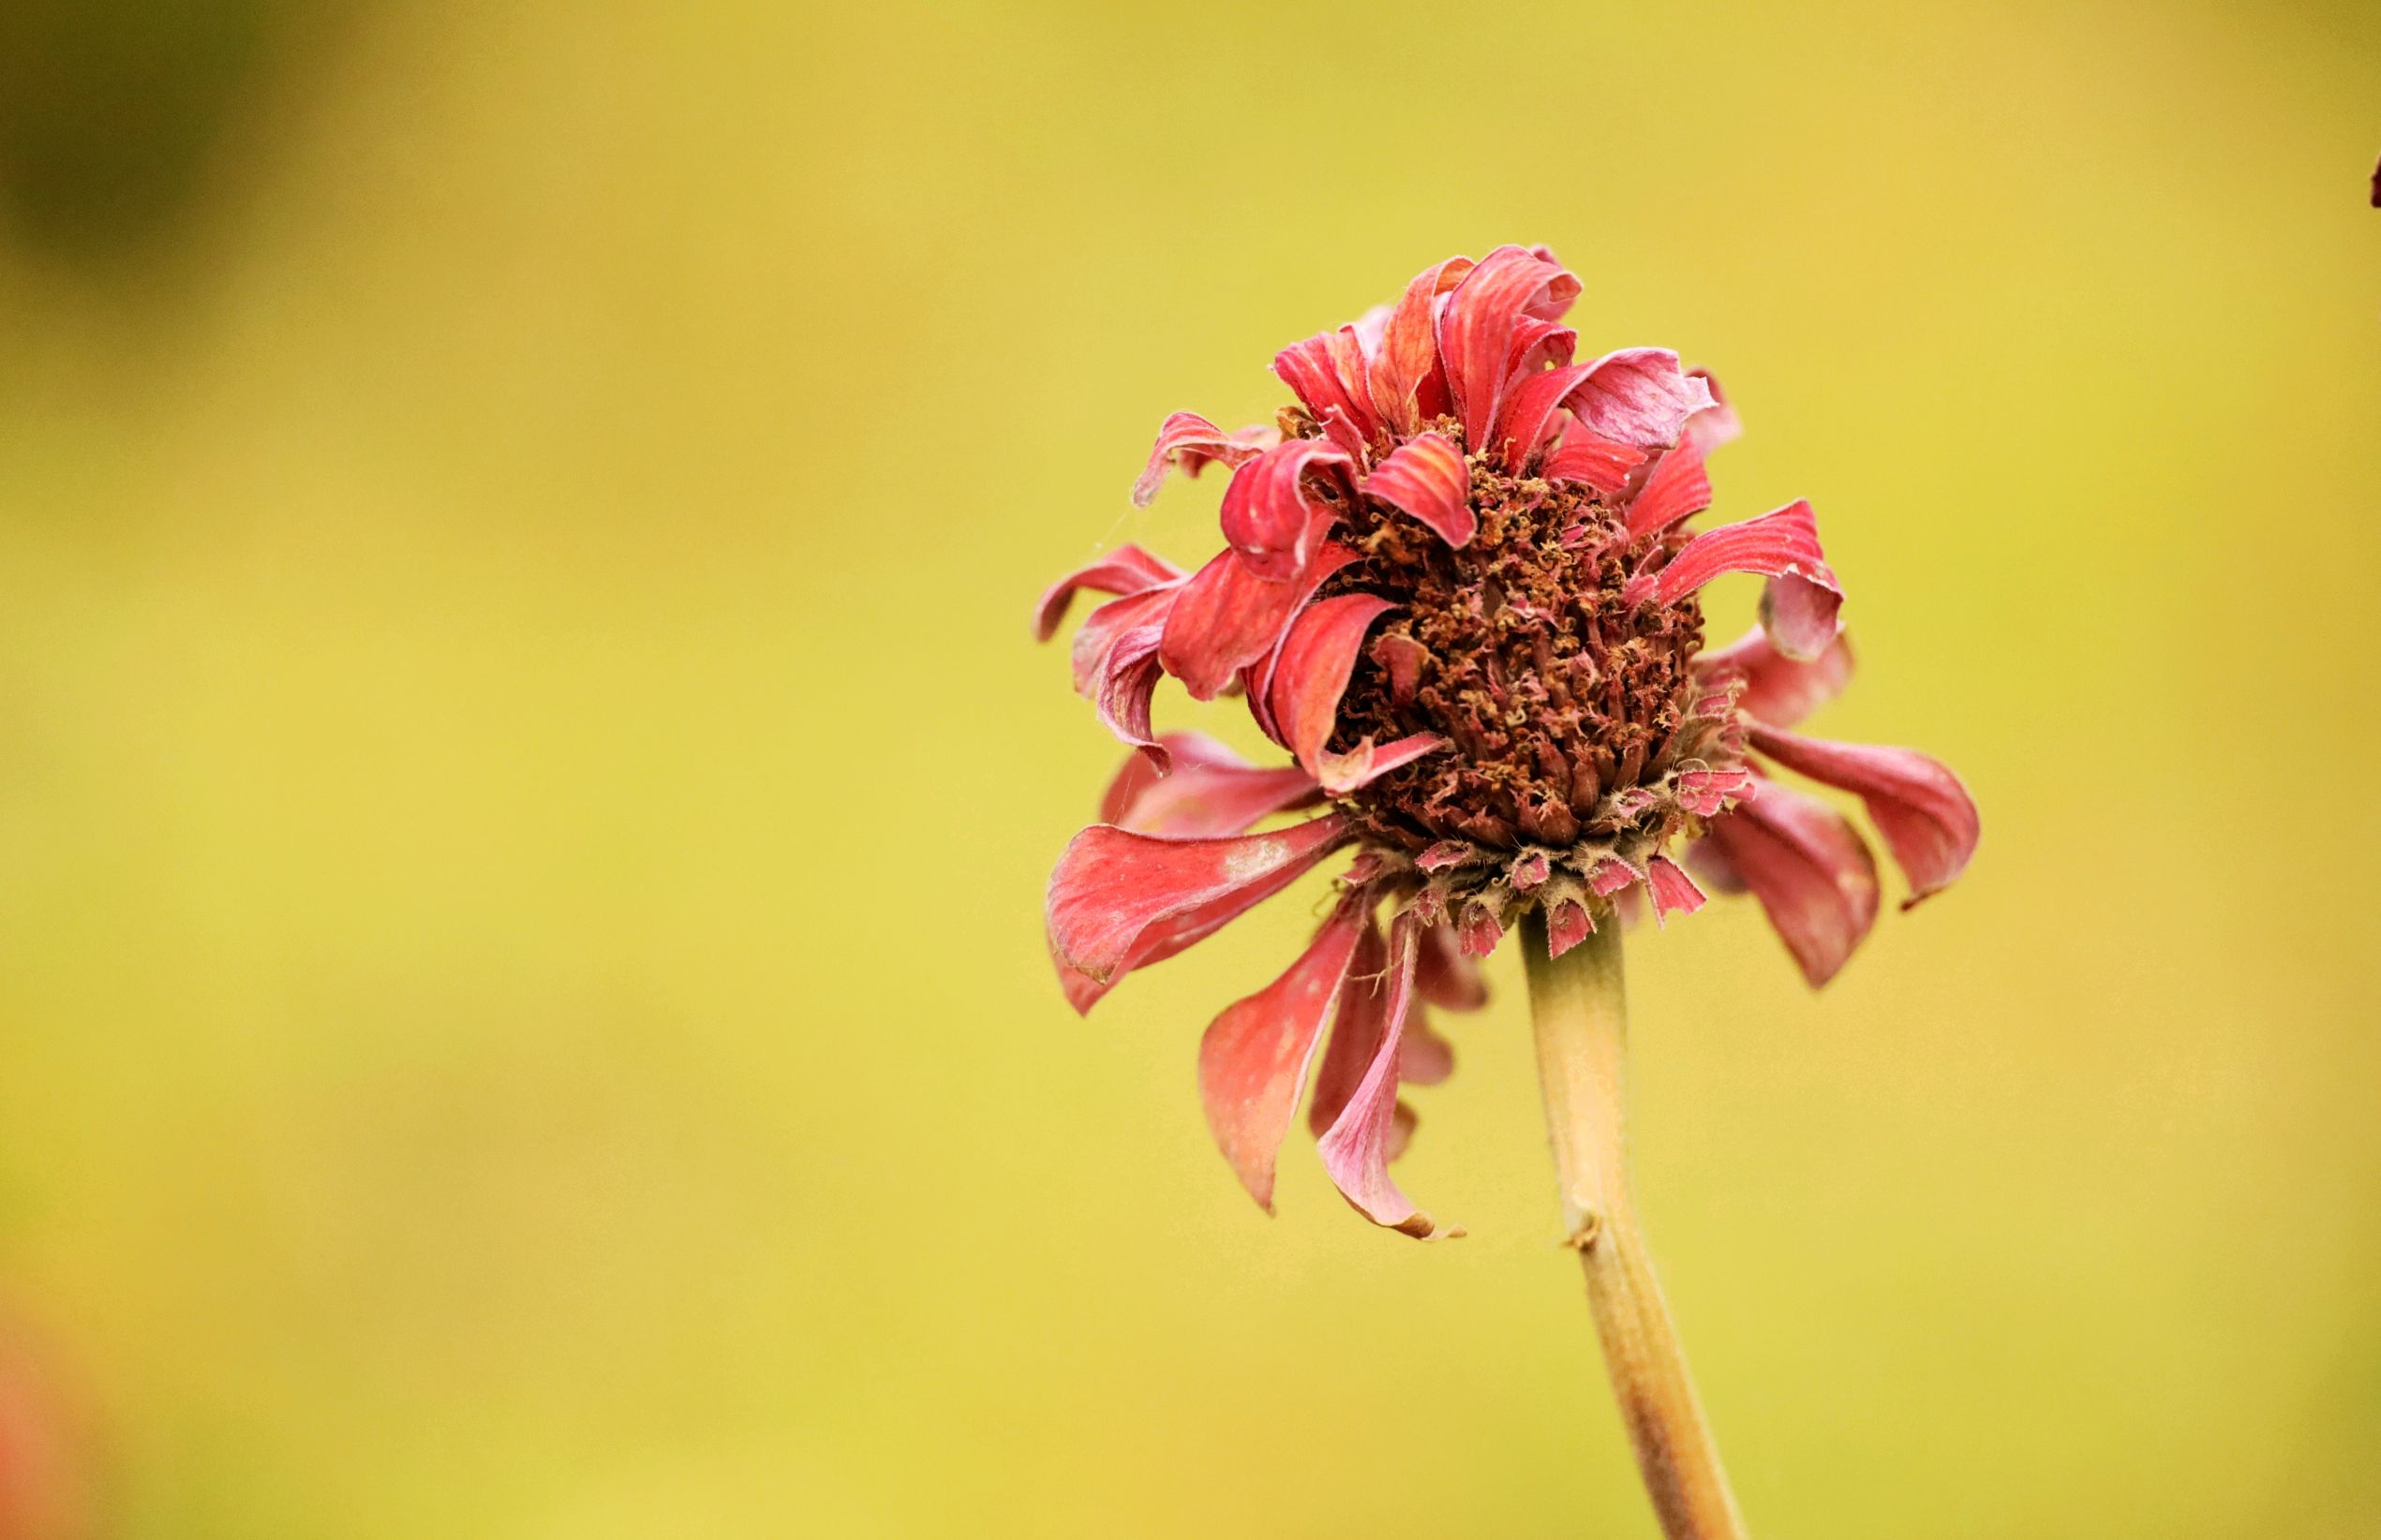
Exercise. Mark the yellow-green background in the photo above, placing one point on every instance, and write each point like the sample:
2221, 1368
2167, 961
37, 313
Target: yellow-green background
524, 790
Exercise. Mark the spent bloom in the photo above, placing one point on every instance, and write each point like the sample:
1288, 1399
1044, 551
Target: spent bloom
1459, 589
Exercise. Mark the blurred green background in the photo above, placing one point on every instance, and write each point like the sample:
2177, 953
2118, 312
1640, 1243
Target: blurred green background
524, 791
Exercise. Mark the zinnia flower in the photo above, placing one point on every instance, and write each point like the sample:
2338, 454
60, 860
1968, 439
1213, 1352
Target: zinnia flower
1459, 589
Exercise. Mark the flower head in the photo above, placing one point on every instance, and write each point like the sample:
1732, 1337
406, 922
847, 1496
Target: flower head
1458, 588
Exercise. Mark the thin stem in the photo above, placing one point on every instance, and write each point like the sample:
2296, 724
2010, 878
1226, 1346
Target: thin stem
1581, 1009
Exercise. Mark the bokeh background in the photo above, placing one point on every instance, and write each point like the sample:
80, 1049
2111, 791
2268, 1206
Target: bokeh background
524, 789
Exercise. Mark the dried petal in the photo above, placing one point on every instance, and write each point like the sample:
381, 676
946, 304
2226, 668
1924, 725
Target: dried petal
1639, 395
1189, 442
1677, 489
1476, 329
1267, 517
1799, 609
1779, 689
1444, 975
1673, 891
1927, 818
1407, 383
1210, 791
1580, 455
1253, 1059
1227, 617
1813, 874
1125, 570
1426, 477
1120, 900
1355, 1149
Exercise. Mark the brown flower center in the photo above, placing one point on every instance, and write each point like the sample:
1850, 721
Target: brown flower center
1560, 699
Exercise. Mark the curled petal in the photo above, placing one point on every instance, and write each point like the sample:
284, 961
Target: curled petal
1706, 792
1267, 515
1328, 373
1227, 617
1478, 929
1717, 423
1673, 891
1779, 689
1311, 675
1368, 761
1639, 395
1407, 383
1253, 1059
1927, 818
1125, 570
1800, 608
1425, 1057
1580, 455
1677, 489
1356, 1033
1356, 1148
1814, 877
1121, 901
1476, 329
1426, 477
1189, 442
1115, 657
1444, 975
1210, 791
1531, 413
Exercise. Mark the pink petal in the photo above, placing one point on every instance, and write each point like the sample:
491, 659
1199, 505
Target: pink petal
1356, 1035
1426, 477
1355, 1149
1253, 1059
1368, 761
1227, 617
1328, 373
1677, 489
1407, 383
1927, 818
1311, 675
1267, 515
1673, 891
1210, 791
1475, 329
1120, 900
1567, 923
1444, 975
1425, 1057
1127, 569
1580, 455
1707, 792
1799, 609
1813, 876
1639, 395
1190, 441
1529, 414
1115, 659
1779, 689
1717, 423
1479, 930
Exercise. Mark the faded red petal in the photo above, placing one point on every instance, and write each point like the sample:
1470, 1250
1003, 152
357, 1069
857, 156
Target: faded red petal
1407, 383
1476, 329
1444, 975
1567, 923
1210, 791
1673, 891
1267, 515
1426, 477
1479, 930
1807, 866
1127, 569
1706, 792
1580, 455
1800, 608
1227, 617
1115, 659
1328, 373
1355, 1149
1119, 900
1677, 489
1425, 1057
1717, 423
1927, 818
1190, 441
1528, 415
1779, 689
1308, 678
1355, 1035
1253, 1059
1639, 395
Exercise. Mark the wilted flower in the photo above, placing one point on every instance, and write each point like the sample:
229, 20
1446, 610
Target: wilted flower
1458, 588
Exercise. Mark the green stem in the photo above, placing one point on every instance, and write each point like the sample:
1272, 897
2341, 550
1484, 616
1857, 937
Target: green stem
1581, 1009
